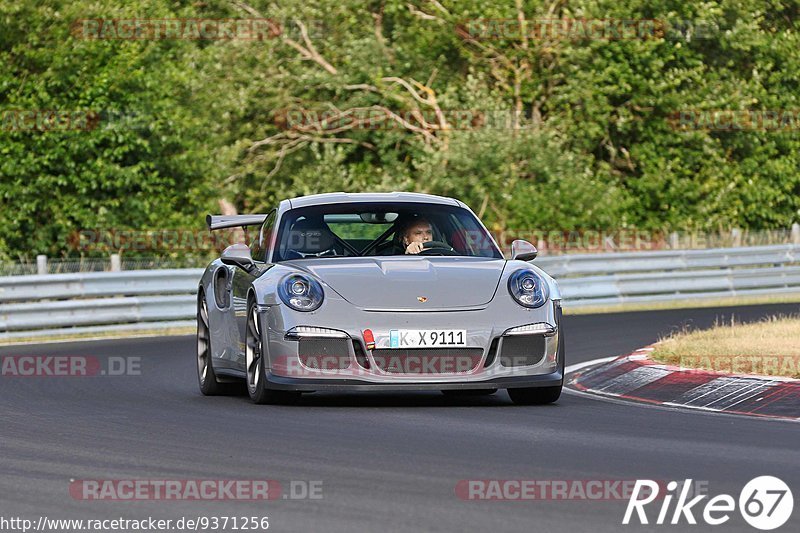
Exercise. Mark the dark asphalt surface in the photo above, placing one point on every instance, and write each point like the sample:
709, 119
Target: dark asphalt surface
387, 462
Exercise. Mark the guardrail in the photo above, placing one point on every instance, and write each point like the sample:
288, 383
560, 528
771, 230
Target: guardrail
42, 305
93, 302
608, 279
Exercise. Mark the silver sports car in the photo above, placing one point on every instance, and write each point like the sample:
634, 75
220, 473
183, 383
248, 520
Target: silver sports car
376, 292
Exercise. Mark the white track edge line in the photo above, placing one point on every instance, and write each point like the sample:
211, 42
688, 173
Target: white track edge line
578, 366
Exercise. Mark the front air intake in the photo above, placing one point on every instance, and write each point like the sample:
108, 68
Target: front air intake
324, 354
522, 350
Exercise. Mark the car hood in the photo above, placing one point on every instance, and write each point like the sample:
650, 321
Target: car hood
409, 283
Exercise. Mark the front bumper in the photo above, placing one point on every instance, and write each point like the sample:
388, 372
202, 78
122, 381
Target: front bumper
355, 385
498, 364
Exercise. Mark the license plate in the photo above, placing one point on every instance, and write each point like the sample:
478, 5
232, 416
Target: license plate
427, 338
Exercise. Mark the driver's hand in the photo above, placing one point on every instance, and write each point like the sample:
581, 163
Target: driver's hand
415, 247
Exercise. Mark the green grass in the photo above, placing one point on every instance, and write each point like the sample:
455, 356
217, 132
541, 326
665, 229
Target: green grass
770, 347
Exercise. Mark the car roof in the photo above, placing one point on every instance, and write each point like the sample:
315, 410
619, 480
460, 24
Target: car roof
343, 197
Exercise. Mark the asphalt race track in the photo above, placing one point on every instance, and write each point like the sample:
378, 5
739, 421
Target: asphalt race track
387, 462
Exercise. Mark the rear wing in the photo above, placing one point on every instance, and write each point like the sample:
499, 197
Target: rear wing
233, 221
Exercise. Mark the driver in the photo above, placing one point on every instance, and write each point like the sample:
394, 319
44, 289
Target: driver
416, 233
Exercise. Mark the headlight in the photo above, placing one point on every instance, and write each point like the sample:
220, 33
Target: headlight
300, 292
528, 288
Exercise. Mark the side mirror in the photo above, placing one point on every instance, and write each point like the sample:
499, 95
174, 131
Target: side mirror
238, 255
523, 250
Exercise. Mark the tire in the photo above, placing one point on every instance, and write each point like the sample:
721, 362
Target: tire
254, 357
543, 395
206, 378
469, 392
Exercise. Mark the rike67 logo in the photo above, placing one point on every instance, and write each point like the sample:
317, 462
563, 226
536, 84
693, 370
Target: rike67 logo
765, 503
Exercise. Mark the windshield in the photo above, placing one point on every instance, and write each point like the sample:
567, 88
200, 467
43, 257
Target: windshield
381, 229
